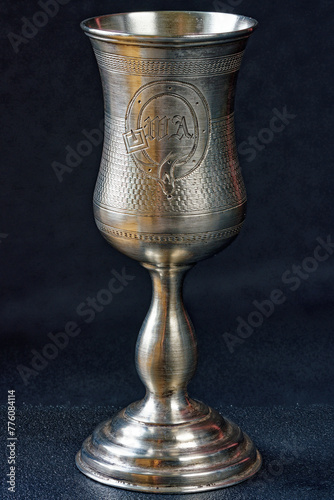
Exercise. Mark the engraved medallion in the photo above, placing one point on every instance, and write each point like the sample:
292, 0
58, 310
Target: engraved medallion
167, 131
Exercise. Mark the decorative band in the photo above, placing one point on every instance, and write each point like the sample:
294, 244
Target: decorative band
171, 238
169, 67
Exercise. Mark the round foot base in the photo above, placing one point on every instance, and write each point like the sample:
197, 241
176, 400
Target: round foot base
204, 454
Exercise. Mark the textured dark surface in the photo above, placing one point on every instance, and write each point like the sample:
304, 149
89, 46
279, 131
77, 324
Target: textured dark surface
296, 444
52, 257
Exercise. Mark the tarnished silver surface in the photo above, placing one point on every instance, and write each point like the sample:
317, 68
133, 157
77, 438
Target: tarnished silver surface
169, 193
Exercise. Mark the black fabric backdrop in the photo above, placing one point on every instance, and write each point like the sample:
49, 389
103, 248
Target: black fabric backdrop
53, 259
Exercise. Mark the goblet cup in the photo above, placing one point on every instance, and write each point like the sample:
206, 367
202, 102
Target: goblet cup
169, 193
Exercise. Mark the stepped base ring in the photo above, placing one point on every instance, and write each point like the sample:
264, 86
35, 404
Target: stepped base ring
218, 454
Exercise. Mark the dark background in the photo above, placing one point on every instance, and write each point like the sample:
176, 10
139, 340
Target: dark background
279, 382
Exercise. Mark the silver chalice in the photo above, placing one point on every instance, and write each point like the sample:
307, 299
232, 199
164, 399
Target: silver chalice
169, 193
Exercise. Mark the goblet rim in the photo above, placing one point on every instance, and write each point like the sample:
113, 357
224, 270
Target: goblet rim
157, 26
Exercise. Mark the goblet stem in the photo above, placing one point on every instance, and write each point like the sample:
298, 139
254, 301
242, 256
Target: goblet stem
168, 442
166, 353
